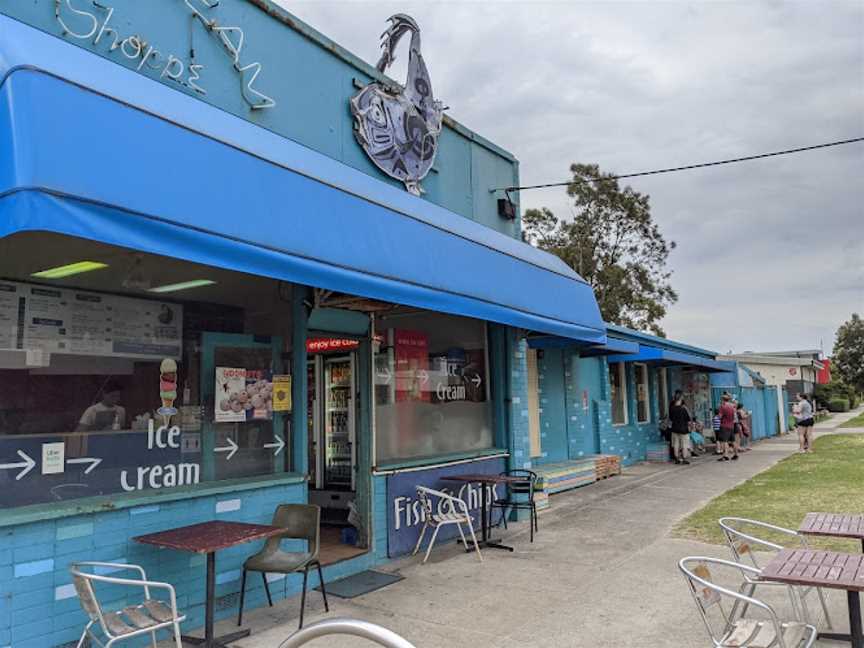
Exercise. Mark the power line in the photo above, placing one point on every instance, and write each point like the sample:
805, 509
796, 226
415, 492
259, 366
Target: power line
702, 165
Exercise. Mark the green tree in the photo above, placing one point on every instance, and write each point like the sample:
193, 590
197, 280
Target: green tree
613, 243
848, 355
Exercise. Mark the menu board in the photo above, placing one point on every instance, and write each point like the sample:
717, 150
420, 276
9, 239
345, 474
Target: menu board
61, 320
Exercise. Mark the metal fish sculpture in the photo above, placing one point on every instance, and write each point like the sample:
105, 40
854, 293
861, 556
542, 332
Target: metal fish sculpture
399, 128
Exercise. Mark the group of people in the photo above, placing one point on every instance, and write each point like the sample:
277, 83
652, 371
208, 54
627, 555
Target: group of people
732, 429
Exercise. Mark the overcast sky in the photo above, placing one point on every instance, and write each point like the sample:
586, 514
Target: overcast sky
771, 253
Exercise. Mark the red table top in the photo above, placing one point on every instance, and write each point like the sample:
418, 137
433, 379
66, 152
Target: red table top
823, 568
209, 536
838, 525
482, 478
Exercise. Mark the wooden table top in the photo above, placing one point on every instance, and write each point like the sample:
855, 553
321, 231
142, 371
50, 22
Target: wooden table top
823, 568
838, 525
208, 537
481, 478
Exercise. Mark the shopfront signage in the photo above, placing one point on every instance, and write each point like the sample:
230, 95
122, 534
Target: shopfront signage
161, 476
405, 515
242, 395
324, 345
399, 127
95, 26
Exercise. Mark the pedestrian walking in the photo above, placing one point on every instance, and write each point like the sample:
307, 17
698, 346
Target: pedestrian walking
680, 419
804, 422
726, 437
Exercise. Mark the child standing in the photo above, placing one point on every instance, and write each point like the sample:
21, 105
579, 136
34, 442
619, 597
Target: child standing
715, 424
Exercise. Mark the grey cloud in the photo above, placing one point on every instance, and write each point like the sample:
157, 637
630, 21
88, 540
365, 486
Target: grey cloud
771, 253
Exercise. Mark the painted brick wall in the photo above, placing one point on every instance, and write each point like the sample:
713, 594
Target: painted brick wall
520, 449
38, 605
630, 441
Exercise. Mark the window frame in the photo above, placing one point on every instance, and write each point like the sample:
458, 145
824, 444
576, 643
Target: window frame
622, 381
637, 366
663, 392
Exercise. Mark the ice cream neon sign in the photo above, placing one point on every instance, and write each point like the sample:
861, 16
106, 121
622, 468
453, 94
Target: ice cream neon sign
97, 29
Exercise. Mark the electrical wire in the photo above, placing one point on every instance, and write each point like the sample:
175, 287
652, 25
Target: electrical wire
702, 165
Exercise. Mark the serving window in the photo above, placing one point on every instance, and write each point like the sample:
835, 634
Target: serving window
122, 372
431, 387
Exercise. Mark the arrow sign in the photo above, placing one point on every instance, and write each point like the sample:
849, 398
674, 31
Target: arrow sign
231, 448
385, 375
476, 380
424, 376
93, 461
27, 465
278, 445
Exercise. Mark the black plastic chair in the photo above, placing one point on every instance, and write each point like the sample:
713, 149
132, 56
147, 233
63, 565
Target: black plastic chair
520, 496
301, 522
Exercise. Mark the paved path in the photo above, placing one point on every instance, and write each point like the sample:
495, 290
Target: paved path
601, 573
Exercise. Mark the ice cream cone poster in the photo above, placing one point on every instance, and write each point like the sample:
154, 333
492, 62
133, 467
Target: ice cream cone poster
167, 389
242, 395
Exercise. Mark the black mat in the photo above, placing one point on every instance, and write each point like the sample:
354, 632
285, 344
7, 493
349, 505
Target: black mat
362, 583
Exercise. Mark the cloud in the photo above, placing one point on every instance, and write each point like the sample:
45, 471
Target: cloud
771, 252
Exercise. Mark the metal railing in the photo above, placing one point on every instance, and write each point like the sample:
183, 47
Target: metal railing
345, 626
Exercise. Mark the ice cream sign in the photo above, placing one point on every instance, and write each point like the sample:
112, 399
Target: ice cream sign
167, 389
242, 395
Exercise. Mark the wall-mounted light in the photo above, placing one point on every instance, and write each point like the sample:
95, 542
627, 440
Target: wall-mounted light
70, 269
183, 285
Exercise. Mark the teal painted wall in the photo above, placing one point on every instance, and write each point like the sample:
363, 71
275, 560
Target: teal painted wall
310, 78
583, 426
553, 405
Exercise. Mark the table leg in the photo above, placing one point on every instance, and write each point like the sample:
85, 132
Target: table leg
856, 635
209, 641
488, 542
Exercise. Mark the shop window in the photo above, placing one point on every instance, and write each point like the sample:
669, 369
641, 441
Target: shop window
618, 393
431, 387
643, 403
107, 387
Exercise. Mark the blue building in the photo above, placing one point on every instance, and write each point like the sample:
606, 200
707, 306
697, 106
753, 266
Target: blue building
212, 301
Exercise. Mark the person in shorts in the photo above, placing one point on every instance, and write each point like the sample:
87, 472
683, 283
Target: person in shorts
804, 423
726, 435
715, 426
744, 421
680, 419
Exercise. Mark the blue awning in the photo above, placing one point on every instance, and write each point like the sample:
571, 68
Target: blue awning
586, 350
667, 357
94, 150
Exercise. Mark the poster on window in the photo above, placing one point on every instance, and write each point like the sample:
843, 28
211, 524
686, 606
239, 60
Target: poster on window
242, 395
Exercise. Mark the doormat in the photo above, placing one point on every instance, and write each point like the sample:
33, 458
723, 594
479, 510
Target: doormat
362, 583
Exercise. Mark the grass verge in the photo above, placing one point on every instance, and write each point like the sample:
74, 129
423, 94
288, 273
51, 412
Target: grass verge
858, 421
829, 479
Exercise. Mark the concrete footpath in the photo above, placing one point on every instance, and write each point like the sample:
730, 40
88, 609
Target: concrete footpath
601, 573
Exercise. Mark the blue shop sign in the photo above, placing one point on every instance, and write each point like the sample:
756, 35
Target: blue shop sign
405, 515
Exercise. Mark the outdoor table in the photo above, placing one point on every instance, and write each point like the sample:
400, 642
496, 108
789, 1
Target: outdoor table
831, 569
834, 525
485, 480
208, 538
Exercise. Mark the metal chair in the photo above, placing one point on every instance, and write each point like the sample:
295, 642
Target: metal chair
744, 543
520, 496
370, 631
727, 626
133, 620
451, 510
301, 522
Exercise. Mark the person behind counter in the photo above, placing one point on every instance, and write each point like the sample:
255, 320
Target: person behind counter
107, 414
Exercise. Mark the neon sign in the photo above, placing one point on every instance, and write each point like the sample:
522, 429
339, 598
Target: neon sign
97, 29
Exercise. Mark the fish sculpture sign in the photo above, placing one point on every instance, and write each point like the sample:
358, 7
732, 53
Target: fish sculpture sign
399, 128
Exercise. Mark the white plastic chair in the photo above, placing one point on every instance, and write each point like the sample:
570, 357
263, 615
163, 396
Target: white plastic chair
450, 510
744, 543
727, 626
133, 620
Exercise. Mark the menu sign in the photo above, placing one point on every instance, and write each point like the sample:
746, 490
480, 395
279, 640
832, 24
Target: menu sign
61, 320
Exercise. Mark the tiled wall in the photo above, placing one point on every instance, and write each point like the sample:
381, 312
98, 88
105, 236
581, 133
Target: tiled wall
520, 446
630, 441
38, 605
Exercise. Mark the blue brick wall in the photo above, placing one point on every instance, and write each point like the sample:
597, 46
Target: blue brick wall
519, 441
38, 605
630, 441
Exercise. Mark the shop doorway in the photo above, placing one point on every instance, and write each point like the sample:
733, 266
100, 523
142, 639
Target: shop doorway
242, 435
333, 395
